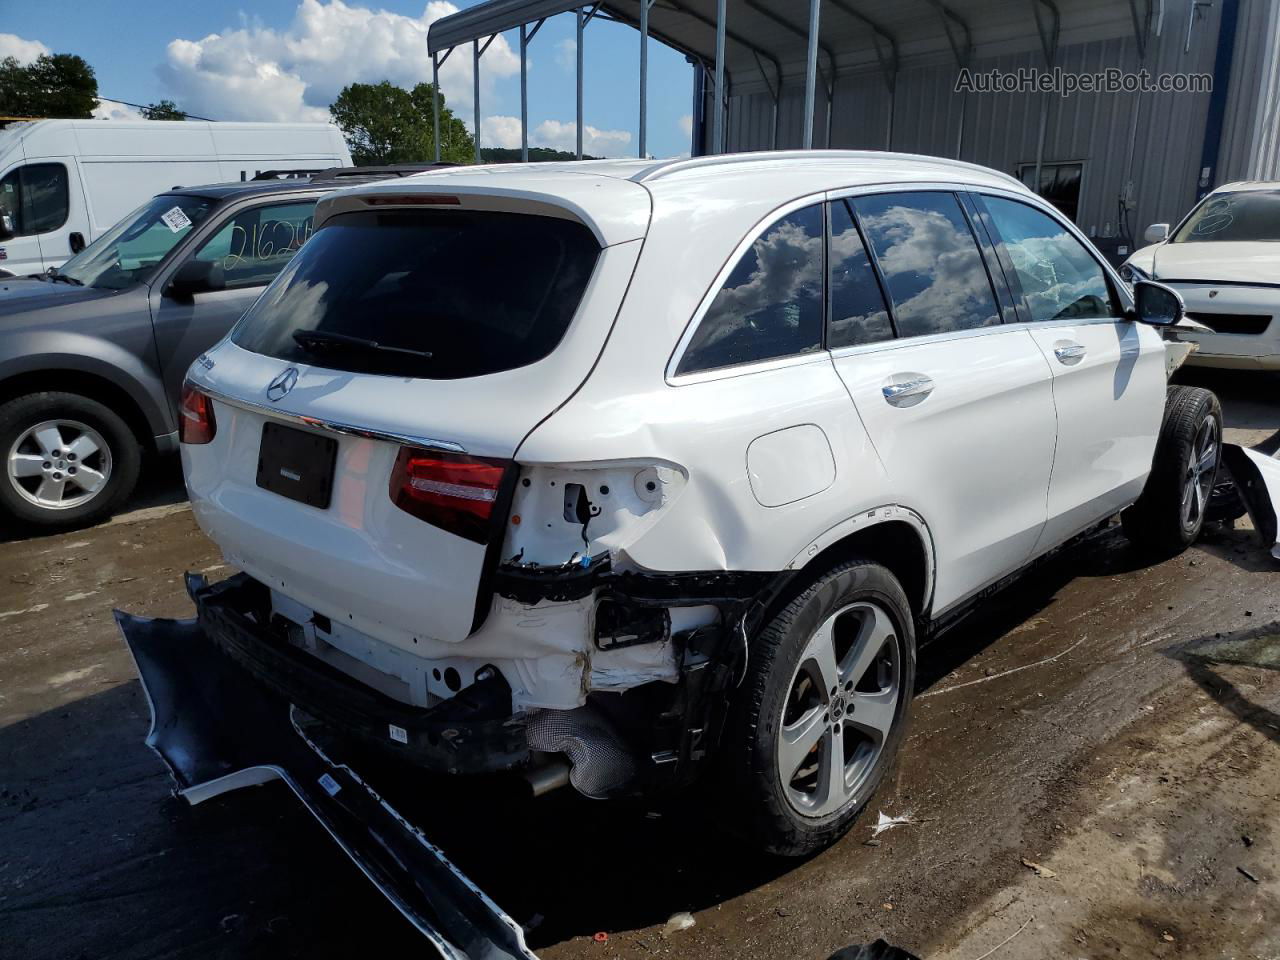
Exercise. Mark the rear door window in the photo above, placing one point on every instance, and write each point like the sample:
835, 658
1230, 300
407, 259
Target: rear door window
771, 305
858, 312
926, 252
1060, 279
444, 294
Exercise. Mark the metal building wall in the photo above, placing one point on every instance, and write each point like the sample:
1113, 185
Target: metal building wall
1251, 136
1001, 130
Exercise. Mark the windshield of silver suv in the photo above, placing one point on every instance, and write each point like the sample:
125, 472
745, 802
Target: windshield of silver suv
1246, 215
437, 295
129, 251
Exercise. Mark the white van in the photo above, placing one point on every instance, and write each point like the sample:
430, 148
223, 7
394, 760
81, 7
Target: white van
65, 182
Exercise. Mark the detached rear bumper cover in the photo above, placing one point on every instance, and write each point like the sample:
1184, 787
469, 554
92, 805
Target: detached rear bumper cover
1257, 481
217, 730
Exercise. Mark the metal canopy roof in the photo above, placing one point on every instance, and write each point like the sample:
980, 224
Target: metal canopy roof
765, 44
857, 33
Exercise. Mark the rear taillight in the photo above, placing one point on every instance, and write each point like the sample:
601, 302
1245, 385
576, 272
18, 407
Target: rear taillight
449, 490
195, 416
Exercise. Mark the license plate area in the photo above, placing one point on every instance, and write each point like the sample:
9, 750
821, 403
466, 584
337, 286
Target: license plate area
297, 464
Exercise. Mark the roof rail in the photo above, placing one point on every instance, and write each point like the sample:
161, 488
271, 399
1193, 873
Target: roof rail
388, 170
668, 167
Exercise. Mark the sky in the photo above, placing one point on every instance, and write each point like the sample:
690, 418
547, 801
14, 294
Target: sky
287, 60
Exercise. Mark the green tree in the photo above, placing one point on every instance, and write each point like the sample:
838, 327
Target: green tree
164, 110
59, 85
384, 124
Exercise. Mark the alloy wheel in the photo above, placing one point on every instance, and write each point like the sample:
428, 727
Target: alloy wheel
1202, 467
59, 464
841, 704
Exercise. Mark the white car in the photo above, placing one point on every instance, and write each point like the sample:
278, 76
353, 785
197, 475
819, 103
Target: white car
617, 472
1224, 261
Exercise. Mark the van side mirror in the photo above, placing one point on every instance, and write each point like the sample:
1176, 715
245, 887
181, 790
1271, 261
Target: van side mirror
1156, 233
7, 228
196, 276
1156, 304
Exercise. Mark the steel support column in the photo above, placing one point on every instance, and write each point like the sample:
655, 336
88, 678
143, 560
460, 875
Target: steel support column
524, 94
526, 37
581, 16
644, 77
811, 72
1049, 34
717, 128
435, 102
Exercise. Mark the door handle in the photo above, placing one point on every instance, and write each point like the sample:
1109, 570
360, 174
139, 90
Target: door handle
908, 391
76, 242
1069, 353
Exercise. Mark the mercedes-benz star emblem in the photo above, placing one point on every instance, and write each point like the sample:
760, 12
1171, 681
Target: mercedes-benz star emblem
282, 384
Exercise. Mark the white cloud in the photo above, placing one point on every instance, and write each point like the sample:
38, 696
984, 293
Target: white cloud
562, 135
25, 51
258, 73
106, 110
686, 125
500, 132
503, 131
567, 54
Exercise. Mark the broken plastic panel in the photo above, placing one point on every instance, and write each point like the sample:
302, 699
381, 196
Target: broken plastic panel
217, 730
1257, 482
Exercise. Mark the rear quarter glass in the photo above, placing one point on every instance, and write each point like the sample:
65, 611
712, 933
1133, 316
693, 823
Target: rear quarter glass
445, 294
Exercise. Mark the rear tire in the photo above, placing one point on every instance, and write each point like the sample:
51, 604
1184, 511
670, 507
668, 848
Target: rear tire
1170, 514
830, 676
65, 460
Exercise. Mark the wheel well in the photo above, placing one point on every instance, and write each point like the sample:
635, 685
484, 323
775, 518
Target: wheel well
86, 385
895, 544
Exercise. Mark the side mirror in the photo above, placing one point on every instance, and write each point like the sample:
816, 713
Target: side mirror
196, 276
1156, 233
1156, 304
7, 228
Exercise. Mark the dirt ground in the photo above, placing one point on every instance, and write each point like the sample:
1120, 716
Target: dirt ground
1093, 771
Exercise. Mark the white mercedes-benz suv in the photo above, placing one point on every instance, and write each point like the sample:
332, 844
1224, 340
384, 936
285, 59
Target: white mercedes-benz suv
1223, 259
610, 473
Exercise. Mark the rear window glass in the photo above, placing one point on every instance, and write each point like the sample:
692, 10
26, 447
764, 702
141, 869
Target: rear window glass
437, 295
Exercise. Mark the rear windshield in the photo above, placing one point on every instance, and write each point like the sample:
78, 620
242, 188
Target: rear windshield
436, 295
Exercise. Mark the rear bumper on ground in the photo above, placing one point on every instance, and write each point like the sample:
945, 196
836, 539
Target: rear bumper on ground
216, 730
472, 732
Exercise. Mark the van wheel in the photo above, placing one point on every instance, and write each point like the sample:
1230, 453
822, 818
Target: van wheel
1171, 511
68, 460
821, 711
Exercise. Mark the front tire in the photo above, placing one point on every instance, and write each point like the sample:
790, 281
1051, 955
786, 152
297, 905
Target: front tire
821, 712
1170, 514
66, 460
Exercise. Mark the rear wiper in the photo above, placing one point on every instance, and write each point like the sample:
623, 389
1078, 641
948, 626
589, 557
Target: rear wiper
318, 340
55, 274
